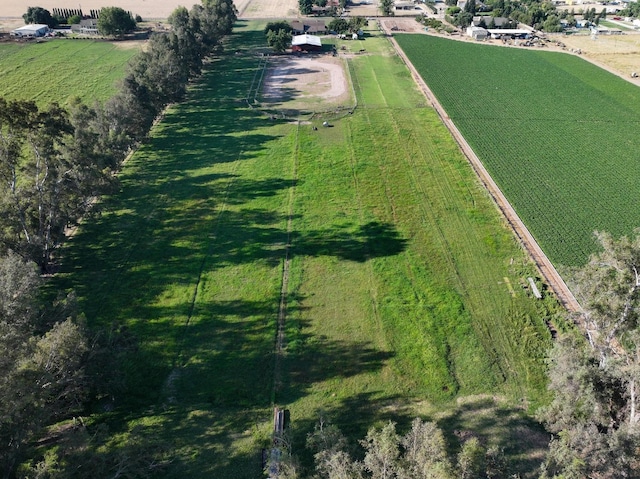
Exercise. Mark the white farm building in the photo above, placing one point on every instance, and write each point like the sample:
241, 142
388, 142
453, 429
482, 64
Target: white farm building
477, 33
30, 31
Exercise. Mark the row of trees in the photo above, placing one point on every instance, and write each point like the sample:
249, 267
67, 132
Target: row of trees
44, 349
595, 412
53, 163
540, 15
112, 21
422, 453
306, 6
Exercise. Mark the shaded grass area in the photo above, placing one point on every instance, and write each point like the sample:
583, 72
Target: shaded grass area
566, 163
58, 70
397, 297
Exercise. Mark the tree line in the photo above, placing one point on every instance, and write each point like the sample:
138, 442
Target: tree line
54, 162
539, 15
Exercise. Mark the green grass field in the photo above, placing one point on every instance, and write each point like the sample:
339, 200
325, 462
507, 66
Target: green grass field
404, 292
61, 69
555, 132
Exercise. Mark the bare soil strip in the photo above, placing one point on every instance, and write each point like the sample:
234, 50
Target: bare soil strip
547, 270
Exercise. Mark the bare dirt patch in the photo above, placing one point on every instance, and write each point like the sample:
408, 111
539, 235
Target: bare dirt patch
267, 8
401, 25
619, 54
305, 83
147, 9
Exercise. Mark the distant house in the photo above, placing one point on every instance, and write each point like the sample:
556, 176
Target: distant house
477, 33
30, 31
403, 5
306, 43
86, 27
310, 25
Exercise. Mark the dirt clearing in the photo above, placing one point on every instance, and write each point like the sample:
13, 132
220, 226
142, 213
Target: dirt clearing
305, 83
267, 8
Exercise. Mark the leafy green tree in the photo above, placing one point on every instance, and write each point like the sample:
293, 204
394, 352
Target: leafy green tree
463, 19
216, 18
39, 15
42, 353
470, 7
40, 185
552, 24
382, 452
387, 8
471, 459
305, 6
425, 454
279, 41
594, 412
338, 25
74, 20
184, 40
278, 25
114, 21
357, 23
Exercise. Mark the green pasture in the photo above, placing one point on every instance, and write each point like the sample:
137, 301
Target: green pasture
405, 289
556, 133
57, 70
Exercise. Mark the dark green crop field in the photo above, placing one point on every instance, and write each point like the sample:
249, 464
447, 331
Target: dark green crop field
557, 133
60, 69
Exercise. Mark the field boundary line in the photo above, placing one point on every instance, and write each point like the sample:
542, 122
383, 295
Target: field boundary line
284, 287
543, 264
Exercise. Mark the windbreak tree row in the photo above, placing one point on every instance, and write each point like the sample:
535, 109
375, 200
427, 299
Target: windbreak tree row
53, 163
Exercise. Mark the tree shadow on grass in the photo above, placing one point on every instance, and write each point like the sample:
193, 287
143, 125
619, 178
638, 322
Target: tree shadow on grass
523, 439
167, 227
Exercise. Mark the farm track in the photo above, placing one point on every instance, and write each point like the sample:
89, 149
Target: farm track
284, 288
546, 268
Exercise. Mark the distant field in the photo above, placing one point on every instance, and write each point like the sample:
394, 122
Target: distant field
404, 293
567, 162
60, 69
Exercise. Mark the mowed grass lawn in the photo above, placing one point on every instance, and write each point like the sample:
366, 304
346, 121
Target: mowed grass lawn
404, 290
58, 70
556, 133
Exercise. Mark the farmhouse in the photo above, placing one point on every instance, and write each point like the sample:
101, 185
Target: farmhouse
86, 27
30, 31
300, 27
306, 43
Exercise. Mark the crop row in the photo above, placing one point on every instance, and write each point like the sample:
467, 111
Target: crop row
555, 132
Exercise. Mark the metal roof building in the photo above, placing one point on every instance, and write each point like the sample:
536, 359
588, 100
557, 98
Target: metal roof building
306, 43
31, 31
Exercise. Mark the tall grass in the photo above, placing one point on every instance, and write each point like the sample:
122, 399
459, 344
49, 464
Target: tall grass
58, 70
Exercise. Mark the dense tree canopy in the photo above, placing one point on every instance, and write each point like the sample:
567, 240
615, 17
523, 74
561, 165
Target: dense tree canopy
595, 383
39, 15
53, 164
114, 21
